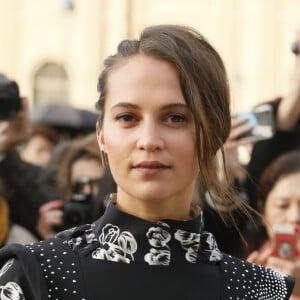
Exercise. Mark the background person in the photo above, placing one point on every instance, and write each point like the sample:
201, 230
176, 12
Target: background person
17, 179
278, 199
287, 124
27, 182
79, 172
38, 147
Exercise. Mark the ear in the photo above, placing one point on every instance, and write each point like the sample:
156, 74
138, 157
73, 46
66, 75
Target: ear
100, 137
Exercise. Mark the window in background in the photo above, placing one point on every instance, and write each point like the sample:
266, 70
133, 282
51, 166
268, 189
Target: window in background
51, 84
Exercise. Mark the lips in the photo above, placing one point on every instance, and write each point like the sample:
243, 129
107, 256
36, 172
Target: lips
151, 165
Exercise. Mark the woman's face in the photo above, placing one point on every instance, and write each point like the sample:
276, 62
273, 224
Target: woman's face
283, 202
38, 150
148, 133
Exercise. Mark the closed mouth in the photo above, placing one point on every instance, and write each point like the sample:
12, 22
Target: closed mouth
150, 165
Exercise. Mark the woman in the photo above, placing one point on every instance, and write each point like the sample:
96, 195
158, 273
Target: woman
81, 160
279, 201
38, 147
77, 180
164, 113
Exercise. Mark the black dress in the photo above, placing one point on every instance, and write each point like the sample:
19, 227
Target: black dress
123, 257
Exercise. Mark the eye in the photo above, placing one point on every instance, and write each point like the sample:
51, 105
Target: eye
125, 117
176, 118
283, 206
126, 120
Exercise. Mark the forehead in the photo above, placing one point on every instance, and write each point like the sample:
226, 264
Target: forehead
143, 74
287, 185
90, 167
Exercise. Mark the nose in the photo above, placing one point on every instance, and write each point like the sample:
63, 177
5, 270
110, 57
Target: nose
150, 137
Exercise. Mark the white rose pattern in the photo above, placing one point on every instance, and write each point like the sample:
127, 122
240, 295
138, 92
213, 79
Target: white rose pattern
115, 245
160, 255
11, 291
74, 242
90, 236
6, 266
189, 242
215, 254
119, 246
157, 257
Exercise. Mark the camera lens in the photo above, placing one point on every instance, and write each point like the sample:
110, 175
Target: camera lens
78, 211
10, 102
74, 218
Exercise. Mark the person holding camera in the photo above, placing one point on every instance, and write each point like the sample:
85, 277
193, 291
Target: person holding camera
283, 120
278, 200
37, 200
26, 197
78, 182
14, 129
287, 128
159, 130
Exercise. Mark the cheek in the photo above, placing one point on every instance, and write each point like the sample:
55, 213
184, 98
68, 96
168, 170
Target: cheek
274, 215
118, 152
187, 150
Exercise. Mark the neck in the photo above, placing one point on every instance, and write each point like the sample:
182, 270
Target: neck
154, 210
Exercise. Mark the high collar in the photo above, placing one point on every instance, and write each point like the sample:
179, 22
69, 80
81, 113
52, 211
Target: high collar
121, 237
113, 214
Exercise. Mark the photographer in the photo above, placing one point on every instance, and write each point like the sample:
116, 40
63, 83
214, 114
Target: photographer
45, 199
79, 181
18, 180
287, 134
278, 200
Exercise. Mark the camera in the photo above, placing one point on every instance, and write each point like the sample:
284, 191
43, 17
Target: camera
286, 242
79, 209
10, 102
262, 120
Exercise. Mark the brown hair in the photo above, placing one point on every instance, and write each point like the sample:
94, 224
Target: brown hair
204, 85
284, 165
50, 133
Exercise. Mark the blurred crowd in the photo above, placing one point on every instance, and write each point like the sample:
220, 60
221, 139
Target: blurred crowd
52, 177
50, 168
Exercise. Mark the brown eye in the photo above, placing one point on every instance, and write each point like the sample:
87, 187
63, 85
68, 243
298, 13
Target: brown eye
176, 118
125, 118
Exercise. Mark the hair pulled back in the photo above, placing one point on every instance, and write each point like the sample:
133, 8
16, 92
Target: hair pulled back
204, 86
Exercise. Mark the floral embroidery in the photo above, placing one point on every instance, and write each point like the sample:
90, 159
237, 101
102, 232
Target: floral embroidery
160, 254
75, 242
11, 291
213, 250
115, 245
189, 242
90, 236
158, 237
158, 257
6, 266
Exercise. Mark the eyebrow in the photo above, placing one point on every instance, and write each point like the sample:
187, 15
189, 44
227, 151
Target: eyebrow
134, 106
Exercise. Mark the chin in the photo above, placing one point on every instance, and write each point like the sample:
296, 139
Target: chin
152, 194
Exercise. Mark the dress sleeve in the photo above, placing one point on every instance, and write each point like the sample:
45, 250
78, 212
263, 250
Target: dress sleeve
21, 276
13, 282
244, 280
